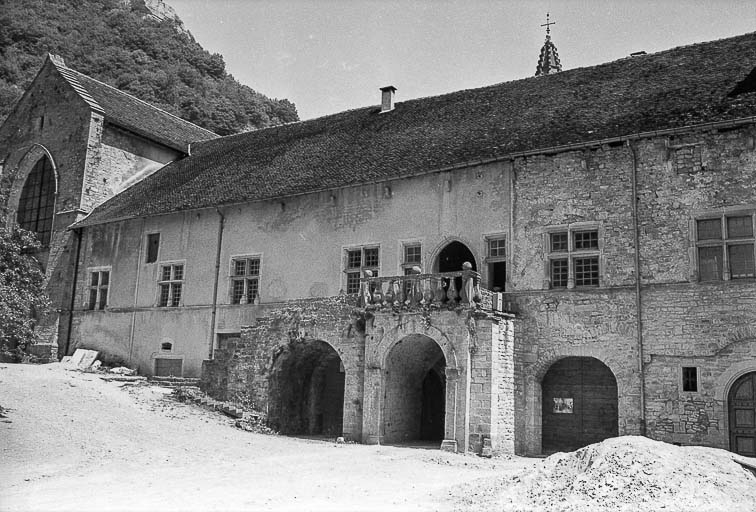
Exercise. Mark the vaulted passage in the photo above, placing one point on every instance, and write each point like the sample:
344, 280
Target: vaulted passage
306, 390
742, 408
579, 404
415, 391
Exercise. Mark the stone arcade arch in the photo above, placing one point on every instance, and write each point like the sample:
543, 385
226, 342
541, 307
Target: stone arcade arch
741, 406
579, 404
414, 401
306, 390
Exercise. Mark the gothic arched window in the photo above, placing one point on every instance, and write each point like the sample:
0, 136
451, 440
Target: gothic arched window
36, 206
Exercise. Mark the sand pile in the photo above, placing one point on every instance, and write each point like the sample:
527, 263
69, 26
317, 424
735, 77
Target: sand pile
634, 473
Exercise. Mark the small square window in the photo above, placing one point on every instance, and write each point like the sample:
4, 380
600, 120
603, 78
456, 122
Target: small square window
587, 271
740, 227
559, 271
586, 240
559, 242
710, 263
412, 254
496, 248
710, 229
690, 378
354, 259
371, 257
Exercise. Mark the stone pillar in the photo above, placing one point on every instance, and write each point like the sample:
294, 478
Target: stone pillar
372, 407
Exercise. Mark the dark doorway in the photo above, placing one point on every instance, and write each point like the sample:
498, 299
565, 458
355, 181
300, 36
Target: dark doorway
306, 390
451, 257
742, 410
579, 404
414, 406
433, 412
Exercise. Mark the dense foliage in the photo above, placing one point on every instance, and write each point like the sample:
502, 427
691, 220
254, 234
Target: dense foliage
22, 290
118, 42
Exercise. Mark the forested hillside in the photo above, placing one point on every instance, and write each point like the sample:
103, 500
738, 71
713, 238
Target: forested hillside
123, 43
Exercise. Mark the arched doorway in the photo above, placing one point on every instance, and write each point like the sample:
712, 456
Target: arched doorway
451, 257
741, 403
306, 390
579, 404
414, 406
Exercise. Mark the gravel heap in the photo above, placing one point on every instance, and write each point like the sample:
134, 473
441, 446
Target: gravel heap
634, 473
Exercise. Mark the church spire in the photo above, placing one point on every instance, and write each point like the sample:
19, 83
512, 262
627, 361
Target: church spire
548, 61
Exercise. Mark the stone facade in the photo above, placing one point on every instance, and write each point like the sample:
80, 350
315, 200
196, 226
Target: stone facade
91, 159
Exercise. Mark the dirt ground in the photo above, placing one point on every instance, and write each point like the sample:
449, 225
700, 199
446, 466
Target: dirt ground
71, 441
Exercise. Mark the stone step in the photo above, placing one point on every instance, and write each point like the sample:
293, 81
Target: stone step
174, 382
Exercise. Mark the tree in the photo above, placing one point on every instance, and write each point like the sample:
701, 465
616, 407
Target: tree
22, 289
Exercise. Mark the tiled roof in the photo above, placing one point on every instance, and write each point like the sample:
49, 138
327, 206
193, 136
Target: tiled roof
675, 88
133, 114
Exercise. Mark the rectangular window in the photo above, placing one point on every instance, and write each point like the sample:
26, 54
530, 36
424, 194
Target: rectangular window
153, 244
171, 285
574, 257
725, 246
690, 378
413, 254
245, 280
358, 260
496, 259
99, 281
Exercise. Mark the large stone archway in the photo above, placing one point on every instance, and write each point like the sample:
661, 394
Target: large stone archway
414, 401
306, 390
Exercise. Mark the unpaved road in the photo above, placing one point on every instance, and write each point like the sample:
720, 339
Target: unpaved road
71, 441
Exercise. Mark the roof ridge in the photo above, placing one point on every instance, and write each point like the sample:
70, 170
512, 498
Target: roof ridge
73, 81
135, 98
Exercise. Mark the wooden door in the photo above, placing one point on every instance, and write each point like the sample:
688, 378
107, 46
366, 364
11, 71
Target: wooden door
165, 367
742, 405
579, 404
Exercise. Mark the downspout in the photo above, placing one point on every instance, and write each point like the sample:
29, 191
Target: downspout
77, 253
136, 290
639, 325
213, 314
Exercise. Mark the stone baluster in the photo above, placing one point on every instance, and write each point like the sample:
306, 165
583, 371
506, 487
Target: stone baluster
451, 292
365, 297
388, 297
398, 292
468, 282
427, 292
438, 291
378, 293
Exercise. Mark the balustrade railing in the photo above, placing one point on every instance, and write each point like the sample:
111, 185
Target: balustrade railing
413, 290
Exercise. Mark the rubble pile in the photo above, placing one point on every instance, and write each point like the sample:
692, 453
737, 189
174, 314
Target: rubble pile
635, 473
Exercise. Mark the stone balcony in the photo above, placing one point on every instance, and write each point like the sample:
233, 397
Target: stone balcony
443, 290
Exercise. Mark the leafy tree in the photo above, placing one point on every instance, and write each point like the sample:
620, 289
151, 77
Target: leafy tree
22, 288
120, 43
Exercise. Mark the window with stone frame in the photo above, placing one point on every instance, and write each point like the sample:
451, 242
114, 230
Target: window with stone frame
573, 256
170, 285
496, 259
245, 279
412, 256
725, 246
99, 283
36, 206
356, 261
153, 248
689, 378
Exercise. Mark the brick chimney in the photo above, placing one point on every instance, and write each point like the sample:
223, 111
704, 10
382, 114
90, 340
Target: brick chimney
387, 98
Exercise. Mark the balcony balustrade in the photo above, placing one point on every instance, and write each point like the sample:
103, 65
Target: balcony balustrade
416, 290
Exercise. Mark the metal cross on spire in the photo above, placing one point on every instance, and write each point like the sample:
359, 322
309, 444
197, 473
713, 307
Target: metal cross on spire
548, 28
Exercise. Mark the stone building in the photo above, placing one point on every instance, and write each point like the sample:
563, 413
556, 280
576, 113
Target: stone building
70, 143
316, 270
